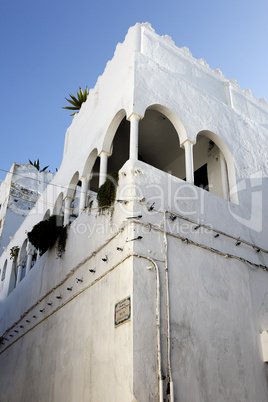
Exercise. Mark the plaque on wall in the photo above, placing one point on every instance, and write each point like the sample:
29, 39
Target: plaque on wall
122, 312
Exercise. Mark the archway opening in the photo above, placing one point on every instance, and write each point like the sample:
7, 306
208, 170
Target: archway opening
159, 144
94, 177
120, 147
210, 169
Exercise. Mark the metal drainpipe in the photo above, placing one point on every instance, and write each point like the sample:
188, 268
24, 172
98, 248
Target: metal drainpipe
171, 388
159, 357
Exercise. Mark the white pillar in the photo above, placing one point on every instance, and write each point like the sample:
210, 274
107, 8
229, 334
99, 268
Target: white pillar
103, 167
30, 252
20, 266
224, 177
83, 194
134, 136
189, 160
67, 210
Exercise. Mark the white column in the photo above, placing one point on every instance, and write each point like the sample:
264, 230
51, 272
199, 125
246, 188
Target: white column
30, 252
134, 136
67, 210
103, 167
20, 266
224, 177
83, 195
189, 160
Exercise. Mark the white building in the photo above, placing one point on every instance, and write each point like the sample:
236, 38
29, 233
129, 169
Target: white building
164, 295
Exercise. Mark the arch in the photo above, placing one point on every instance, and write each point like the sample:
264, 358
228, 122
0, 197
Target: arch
173, 118
210, 150
72, 185
46, 215
110, 133
159, 142
90, 163
119, 150
4, 271
57, 209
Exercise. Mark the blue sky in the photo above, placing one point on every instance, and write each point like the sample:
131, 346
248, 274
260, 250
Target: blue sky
50, 48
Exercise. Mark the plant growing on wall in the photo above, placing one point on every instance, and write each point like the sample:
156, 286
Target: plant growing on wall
36, 164
45, 233
107, 192
14, 252
77, 102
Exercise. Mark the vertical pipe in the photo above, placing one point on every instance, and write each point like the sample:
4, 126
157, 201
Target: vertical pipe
158, 320
171, 388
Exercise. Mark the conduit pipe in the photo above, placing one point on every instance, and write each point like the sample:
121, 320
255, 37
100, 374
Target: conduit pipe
171, 388
159, 357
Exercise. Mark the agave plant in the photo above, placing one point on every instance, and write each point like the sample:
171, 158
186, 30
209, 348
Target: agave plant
36, 164
77, 102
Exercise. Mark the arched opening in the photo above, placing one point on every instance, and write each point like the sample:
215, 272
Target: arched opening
4, 271
57, 210
3, 275
47, 215
210, 166
22, 261
94, 177
91, 176
71, 202
120, 147
159, 143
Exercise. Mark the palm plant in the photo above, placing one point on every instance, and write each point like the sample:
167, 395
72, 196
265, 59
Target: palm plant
36, 164
77, 102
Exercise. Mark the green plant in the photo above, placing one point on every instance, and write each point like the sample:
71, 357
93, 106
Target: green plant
36, 164
14, 252
107, 192
61, 243
77, 102
45, 233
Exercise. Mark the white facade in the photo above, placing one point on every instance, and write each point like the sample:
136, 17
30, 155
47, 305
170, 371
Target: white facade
193, 262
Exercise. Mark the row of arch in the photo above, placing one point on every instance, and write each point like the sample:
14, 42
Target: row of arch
159, 139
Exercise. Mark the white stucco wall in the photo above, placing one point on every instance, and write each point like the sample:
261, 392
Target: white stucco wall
213, 251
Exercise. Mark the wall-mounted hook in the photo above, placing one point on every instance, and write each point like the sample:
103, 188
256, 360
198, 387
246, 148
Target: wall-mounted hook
151, 207
136, 238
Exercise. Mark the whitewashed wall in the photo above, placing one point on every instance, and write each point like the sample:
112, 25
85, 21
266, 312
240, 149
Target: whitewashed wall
213, 250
